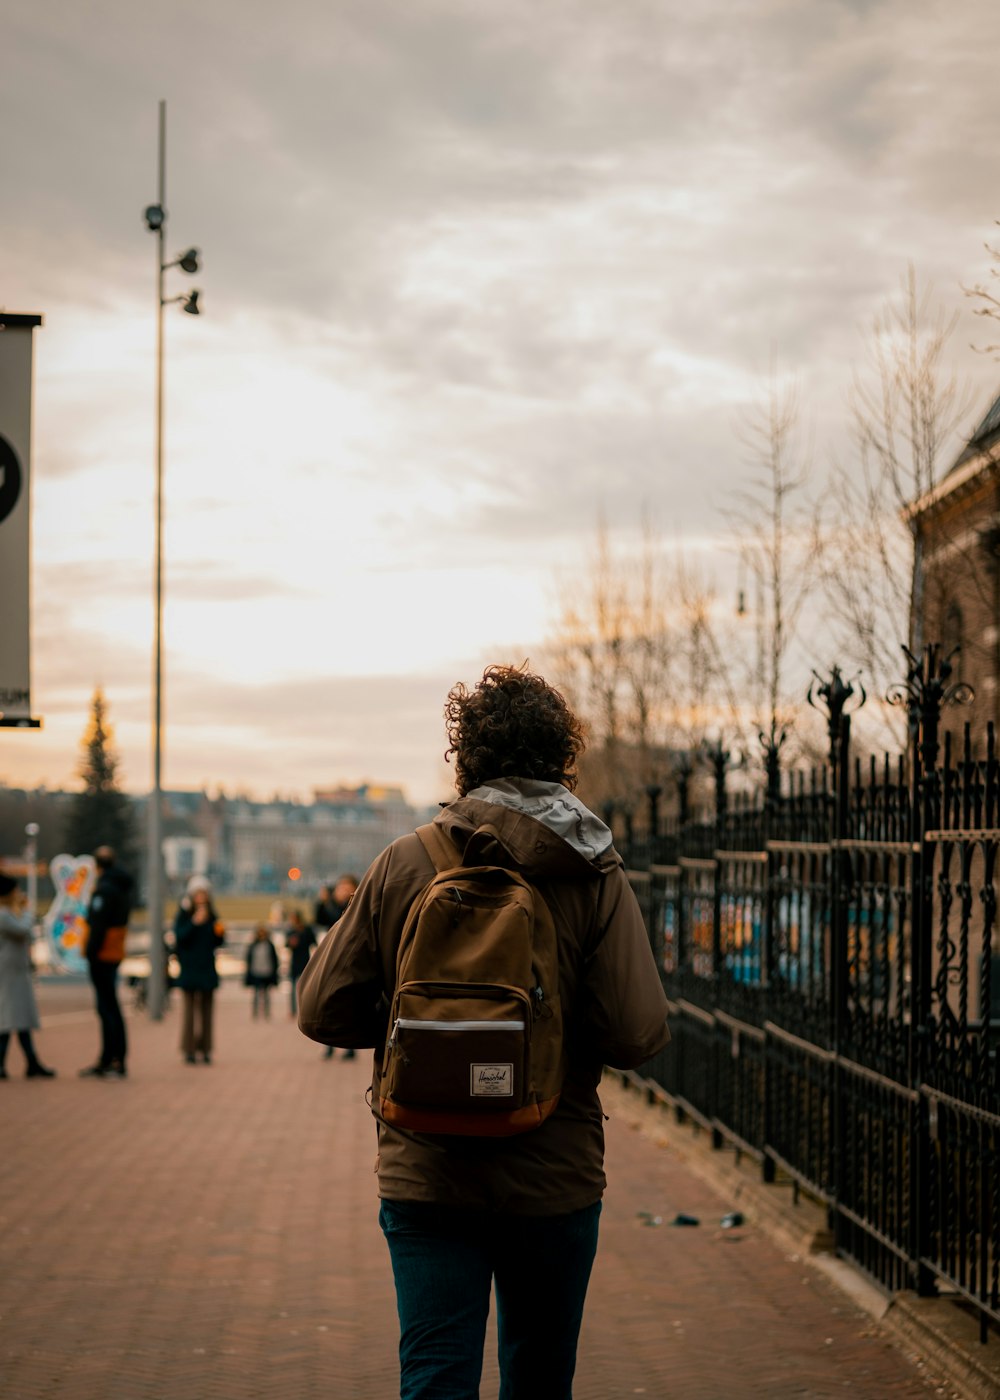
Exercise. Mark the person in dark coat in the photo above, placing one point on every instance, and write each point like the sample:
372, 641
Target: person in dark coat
198, 933
107, 927
323, 915
336, 906
300, 940
262, 970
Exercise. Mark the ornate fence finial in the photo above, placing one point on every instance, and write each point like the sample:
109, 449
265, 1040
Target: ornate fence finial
772, 741
653, 793
683, 767
717, 756
927, 689
830, 696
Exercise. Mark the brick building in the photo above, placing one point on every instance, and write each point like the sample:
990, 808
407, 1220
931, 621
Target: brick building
957, 540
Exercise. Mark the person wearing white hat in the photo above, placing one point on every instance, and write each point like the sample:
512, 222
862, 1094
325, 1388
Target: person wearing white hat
198, 933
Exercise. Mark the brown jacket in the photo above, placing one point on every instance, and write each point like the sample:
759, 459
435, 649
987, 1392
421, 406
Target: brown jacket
613, 1003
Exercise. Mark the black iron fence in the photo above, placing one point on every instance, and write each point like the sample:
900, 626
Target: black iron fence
830, 951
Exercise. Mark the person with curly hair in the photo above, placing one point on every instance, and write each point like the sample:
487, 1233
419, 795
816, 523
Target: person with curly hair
518, 1214
511, 725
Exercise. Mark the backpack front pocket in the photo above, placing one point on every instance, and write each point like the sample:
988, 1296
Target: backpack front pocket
458, 1054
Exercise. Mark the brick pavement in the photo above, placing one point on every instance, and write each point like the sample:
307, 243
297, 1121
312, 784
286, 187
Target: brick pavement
211, 1232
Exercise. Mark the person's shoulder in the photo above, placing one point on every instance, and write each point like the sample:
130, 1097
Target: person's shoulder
406, 857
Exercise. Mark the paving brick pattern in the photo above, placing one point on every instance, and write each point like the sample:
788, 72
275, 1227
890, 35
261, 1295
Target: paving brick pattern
210, 1231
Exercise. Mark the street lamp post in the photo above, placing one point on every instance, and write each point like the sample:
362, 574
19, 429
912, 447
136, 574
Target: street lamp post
156, 220
31, 861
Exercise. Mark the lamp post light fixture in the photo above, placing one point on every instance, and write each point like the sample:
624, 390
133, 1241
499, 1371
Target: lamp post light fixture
155, 216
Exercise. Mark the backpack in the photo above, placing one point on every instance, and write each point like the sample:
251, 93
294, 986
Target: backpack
475, 1046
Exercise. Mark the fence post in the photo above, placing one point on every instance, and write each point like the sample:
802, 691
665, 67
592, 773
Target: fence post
629, 834
683, 768
717, 755
927, 689
924, 716
772, 791
840, 899
831, 697
653, 792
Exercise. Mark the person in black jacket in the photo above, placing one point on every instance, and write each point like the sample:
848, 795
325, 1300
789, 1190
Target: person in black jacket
198, 932
262, 970
300, 940
336, 906
323, 915
107, 923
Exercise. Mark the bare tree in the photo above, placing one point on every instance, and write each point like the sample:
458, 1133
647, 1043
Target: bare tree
635, 646
774, 522
588, 648
987, 297
706, 690
649, 646
905, 407
611, 649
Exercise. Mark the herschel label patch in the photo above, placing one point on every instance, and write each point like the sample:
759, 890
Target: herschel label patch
491, 1081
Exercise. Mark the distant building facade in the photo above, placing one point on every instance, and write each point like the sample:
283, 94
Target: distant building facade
252, 846
239, 843
957, 603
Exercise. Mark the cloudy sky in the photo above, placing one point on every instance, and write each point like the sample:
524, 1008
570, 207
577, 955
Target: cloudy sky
472, 275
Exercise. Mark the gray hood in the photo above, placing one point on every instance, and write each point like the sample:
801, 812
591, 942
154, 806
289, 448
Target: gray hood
554, 806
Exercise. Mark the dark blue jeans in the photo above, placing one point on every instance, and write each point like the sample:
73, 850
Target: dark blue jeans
444, 1261
113, 1044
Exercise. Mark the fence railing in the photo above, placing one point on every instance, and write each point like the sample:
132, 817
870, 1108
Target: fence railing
830, 951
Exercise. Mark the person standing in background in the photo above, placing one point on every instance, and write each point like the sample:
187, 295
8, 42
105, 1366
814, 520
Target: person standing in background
323, 914
300, 939
198, 933
18, 1008
107, 927
343, 893
262, 971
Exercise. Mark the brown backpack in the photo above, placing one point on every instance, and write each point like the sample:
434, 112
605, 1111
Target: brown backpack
475, 1045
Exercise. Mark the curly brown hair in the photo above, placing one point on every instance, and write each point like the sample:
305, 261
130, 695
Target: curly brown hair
512, 724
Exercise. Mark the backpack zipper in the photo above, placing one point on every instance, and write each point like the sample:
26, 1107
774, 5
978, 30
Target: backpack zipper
409, 1023
490, 991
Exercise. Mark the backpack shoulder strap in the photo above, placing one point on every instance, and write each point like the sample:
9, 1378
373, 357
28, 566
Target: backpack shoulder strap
443, 852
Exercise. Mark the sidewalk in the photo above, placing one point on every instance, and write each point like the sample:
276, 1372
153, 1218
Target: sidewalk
211, 1231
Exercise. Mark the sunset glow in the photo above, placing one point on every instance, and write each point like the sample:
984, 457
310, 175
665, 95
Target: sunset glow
470, 279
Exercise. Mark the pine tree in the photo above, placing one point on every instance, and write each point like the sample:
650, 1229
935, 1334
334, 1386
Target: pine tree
101, 815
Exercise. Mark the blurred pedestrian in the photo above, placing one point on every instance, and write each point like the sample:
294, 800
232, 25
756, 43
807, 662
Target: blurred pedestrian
300, 939
107, 928
343, 892
198, 934
262, 970
323, 914
18, 1008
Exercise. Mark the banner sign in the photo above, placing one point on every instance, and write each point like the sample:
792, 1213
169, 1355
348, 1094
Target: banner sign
16, 332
